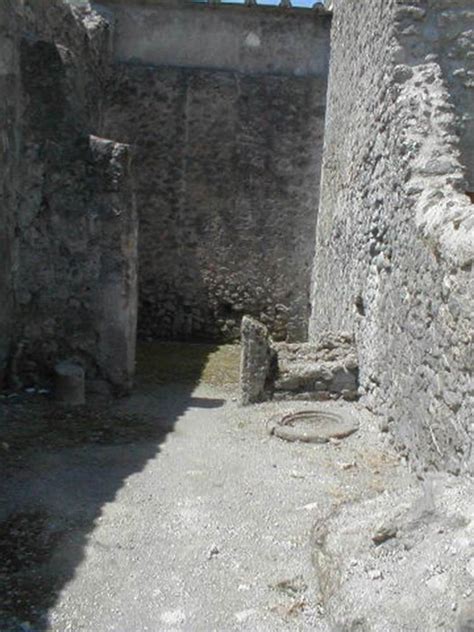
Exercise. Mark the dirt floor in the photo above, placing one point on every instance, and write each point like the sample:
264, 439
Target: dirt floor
176, 509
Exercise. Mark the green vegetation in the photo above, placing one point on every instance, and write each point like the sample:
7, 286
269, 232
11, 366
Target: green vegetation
165, 362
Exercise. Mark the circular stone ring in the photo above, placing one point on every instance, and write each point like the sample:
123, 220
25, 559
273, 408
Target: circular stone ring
312, 426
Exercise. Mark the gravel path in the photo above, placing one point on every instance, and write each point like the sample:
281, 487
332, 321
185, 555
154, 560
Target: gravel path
205, 525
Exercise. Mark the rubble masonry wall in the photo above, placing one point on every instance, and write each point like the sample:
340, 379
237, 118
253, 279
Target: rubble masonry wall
227, 132
73, 230
395, 236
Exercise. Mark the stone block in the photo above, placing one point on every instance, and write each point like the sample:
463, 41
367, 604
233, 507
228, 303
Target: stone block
255, 363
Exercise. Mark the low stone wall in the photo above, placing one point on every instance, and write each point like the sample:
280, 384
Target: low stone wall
395, 237
323, 371
284, 371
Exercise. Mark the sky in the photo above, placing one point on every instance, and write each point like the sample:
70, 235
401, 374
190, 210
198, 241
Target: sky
295, 3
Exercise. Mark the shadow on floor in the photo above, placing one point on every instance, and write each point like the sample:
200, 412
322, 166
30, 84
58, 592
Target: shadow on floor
59, 467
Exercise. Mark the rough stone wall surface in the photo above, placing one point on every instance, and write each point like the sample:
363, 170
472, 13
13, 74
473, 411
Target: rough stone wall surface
9, 157
255, 362
225, 172
74, 251
395, 237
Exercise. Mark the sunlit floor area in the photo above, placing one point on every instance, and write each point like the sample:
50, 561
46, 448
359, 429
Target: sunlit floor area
174, 509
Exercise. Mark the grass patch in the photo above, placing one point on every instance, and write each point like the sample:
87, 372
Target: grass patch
170, 362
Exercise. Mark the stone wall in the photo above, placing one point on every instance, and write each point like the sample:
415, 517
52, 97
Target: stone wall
447, 29
305, 371
9, 157
227, 166
395, 237
72, 215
